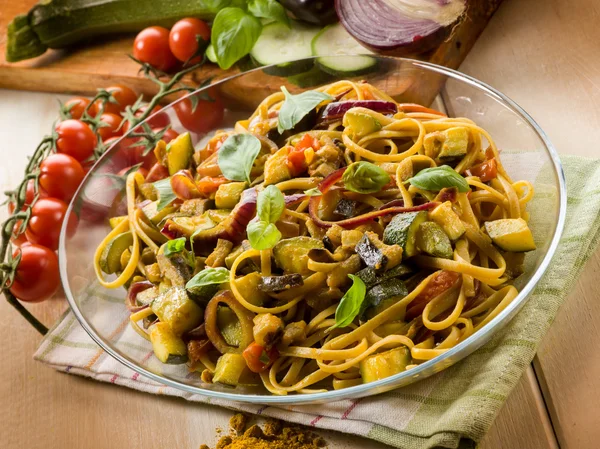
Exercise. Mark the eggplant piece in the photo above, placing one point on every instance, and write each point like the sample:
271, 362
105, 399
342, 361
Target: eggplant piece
371, 255
346, 208
306, 124
382, 296
371, 278
278, 283
175, 267
319, 12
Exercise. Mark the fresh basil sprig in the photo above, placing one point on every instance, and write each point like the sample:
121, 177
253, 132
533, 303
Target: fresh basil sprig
236, 156
364, 177
268, 9
208, 276
262, 232
174, 246
234, 33
295, 107
165, 193
350, 303
436, 178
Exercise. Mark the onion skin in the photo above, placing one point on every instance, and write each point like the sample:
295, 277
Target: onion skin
132, 292
212, 329
385, 30
336, 110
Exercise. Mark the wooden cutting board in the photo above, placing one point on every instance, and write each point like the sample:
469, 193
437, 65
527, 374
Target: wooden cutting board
85, 68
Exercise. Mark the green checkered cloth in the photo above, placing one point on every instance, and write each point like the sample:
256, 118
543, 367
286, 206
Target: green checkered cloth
451, 409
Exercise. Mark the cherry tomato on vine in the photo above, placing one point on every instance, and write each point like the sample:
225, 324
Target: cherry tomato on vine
37, 277
46, 220
151, 45
183, 41
20, 239
60, 176
76, 139
77, 105
206, 116
125, 96
160, 121
112, 130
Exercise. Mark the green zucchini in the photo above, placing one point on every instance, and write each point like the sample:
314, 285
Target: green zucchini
110, 260
152, 213
168, 347
432, 239
382, 296
291, 255
179, 153
402, 230
61, 23
385, 364
370, 276
229, 194
511, 234
230, 368
175, 308
229, 325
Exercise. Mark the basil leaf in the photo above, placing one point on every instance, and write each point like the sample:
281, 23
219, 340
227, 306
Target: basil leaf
208, 276
268, 9
236, 156
436, 178
350, 303
313, 192
295, 107
174, 246
165, 193
364, 177
262, 234
234, 33
270, 204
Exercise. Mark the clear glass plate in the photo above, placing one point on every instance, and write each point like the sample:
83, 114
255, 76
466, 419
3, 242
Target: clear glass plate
526, 154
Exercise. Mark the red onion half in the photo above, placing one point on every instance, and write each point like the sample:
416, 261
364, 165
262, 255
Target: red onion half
399, 27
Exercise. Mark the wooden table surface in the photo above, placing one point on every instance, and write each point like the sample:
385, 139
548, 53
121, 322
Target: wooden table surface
545, 54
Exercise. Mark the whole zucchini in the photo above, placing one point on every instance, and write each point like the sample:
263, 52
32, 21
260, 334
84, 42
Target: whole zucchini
60, 23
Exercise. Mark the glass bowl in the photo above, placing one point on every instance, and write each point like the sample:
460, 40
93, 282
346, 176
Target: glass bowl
526, 154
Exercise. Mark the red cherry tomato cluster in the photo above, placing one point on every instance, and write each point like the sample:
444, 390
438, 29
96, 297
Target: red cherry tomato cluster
164, 49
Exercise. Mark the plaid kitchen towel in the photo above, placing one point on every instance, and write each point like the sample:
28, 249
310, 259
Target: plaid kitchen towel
451, 409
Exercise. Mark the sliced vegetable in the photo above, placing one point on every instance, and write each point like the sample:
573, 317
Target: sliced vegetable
359, 124
337, 110
370, 277
179, 153
249, 285
229, 325
175, 262
370, 254
258, 359
399, 27
279, 283
449, 220
110, 260
334, 40
447, 144
382, 296
168, 347
230, 368
150, 210
385, 364
486, 171
402, 230
203, 286
212, 328
229, 194
511, 234
432, 240
276, 168
175, 308
291, 255
267, 330
345, 207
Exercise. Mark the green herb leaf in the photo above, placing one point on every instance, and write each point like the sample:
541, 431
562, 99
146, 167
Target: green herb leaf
262, 234
364, 177
174, 246
208, 276
236, 156
350, 303
295, 107
436, 178
165, 193
268, 9
313, 192
264, 358
234, 33
270, 204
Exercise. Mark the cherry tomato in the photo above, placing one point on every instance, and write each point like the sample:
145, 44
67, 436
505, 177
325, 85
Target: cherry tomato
486, 171
112, 130
125, 96
160, 121
169, 134
258, 359
46, 220
208, 184
207, 115
60, 176
183, 41
76, 139
77, 105
439, 284
37, 277
151, 45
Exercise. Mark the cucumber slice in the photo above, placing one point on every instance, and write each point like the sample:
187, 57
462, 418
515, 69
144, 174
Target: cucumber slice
313, 77
279, 45
334, 40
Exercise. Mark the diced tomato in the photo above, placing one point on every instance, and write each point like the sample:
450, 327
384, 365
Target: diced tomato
439, 284
258, 359
486, 171
296, 160
208, 184
489, 153
307, 141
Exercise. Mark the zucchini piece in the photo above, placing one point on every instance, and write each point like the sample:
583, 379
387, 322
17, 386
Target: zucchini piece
116, 221
228, 195
432, 239
449, 220
152, 213
359, 124
402, 231
276, 169
230, 368
370, 254
291, 255
186, 226
168, 347
175, 308
382, 296
249, 285
370, 277
110, 260
447, 144
511, 234
385, 364
229, 325
203, 294
179, 153
147, 296
175, 267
